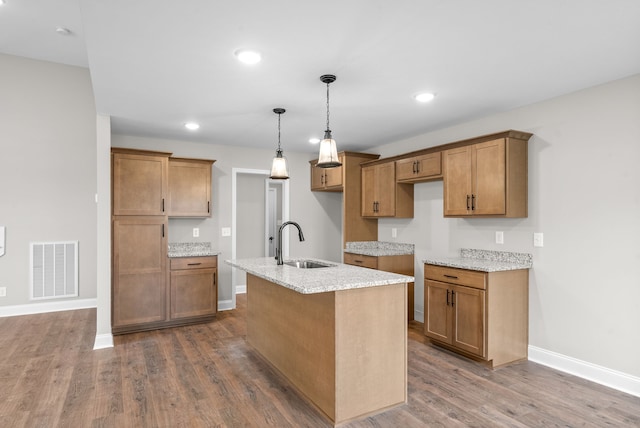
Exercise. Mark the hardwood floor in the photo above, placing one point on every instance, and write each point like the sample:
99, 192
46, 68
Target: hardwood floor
207, 376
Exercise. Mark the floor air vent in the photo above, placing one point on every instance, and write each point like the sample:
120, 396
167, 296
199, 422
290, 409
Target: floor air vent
54, 270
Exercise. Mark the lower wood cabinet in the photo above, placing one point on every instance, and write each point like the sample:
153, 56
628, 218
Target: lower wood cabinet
401, 264
194, 289
479, 314
139, 271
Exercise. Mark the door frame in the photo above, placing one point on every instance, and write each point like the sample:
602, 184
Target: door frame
285, 217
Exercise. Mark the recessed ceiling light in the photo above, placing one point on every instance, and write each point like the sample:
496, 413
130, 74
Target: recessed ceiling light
191, 126
424, 97
248, 57
1, 2
62, 31
314, 140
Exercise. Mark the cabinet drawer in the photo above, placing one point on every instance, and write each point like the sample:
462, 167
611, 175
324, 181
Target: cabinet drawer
204, 262
370, 262
464, 277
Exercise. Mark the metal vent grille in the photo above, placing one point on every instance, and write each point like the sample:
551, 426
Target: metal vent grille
54, 270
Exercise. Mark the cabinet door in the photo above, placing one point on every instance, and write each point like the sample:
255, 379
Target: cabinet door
418, 168
468, 319
333, 176
457, 181
386, 189
189, 188
406, 169
437, 316
317, 177
139, 184
369, 191
488, 167
139, 270
193, 293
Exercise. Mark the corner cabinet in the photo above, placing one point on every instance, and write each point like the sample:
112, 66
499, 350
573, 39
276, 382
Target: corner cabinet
486, 179
382, 196
190, 187
483, 315
347, 179
327, 179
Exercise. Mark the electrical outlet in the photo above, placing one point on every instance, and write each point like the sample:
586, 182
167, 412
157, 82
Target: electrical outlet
3, 291
196, 232
499, 237
538, 240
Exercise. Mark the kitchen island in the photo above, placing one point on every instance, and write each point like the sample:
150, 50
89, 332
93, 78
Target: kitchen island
337, 333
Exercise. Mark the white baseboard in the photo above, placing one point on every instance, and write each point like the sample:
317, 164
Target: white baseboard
225, 305
598, 374
418, 316
48, 306
103, 341
241, 289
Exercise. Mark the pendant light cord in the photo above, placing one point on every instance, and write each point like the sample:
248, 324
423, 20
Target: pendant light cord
328, 106
279, 114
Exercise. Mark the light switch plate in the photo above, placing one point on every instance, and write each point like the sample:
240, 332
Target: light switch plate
499, 237
394, 232
2, 240
226, 231
538, 240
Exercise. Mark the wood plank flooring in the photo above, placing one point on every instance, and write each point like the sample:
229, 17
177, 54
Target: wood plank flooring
207, 376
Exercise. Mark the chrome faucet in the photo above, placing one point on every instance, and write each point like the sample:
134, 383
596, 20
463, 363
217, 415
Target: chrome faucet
279, 243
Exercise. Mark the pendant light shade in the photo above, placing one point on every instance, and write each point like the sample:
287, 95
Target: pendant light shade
279, 169
328, 157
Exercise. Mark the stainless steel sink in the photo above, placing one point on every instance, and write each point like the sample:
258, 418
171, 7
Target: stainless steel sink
307, 264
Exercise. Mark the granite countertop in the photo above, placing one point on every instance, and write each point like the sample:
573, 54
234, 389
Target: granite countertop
337, 277
191, 249
484, 260
379, 248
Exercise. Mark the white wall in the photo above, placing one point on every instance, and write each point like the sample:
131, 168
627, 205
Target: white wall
583, 195
47, 168
318, 217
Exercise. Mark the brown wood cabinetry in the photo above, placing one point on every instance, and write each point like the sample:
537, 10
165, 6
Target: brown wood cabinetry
402, 264
486, 179
354, 226
139, 271
139, 180
143, 296
327, 179
419, 168
382, 196
194, 288
189, 187
479, 314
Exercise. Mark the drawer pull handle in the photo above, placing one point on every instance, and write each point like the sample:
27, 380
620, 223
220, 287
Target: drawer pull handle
359, 261
451, 276
193, 264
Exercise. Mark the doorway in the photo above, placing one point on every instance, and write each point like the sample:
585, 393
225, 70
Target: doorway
253, 195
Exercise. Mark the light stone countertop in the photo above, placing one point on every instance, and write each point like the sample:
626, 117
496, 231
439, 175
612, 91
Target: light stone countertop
191, 249
337, 277
484, 260
378, 248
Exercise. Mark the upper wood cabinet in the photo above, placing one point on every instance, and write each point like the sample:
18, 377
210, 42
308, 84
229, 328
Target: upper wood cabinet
419, 168
139, 180
327, 179
382, 196
486, 179
190, 187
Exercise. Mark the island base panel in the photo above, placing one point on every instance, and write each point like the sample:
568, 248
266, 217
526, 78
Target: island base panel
346, 351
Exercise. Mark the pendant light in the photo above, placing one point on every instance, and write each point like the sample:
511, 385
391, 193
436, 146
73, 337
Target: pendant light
328, 157
279, 170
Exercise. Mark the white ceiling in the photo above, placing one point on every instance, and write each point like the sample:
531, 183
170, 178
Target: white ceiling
157, 64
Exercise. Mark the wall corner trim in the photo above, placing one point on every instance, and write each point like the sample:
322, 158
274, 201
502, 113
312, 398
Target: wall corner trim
613, 379
103, 341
